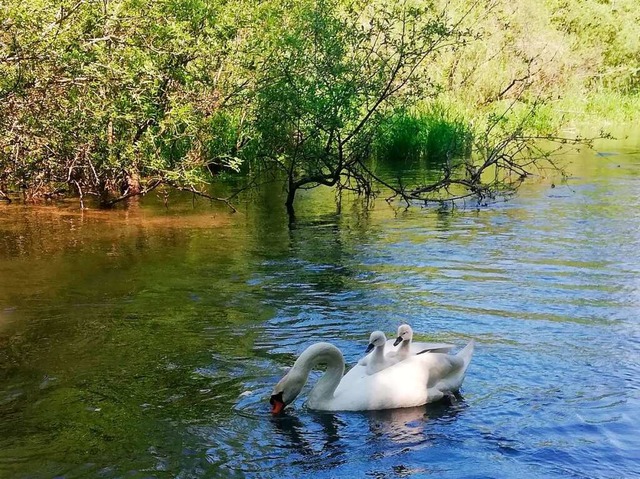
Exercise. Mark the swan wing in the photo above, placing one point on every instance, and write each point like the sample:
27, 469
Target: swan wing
440, 367
446, 372
419, 346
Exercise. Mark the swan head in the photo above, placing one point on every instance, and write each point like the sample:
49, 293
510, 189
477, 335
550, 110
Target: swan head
405, 333
287, 389
376, 340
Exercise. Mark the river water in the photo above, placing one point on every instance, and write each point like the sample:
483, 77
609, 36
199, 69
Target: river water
144, 342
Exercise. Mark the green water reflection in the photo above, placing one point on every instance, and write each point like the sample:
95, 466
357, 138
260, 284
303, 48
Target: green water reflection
121, 330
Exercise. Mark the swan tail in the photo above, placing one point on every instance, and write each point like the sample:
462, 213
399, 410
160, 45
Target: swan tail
464, 358
466, 353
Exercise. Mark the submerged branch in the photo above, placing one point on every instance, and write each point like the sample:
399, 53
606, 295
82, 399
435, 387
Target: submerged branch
158, 182
131, 193
197, 192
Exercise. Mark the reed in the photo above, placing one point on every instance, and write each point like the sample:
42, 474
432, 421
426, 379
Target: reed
432, 134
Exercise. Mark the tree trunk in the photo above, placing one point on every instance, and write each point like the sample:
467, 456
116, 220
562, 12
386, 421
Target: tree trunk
291, 196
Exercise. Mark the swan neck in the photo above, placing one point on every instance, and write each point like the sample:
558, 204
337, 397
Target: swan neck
378, 354
322, 353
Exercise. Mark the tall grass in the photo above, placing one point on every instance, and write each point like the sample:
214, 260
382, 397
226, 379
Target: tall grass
432, 134
601, 107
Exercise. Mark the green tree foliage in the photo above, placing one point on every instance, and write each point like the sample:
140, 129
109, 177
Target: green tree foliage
102, 95
114, 98
329, 69
604, 37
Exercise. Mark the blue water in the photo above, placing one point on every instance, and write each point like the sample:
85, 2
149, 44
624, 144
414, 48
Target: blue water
150, 349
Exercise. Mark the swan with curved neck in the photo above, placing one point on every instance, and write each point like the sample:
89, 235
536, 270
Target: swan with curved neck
417, 380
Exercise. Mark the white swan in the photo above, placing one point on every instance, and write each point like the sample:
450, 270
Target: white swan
377, 360
408, 347
382, 359
415, 381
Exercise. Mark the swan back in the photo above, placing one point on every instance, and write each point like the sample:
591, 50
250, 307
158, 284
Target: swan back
415, 381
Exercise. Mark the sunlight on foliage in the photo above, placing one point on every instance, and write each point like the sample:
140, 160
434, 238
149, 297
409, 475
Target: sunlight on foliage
112, 99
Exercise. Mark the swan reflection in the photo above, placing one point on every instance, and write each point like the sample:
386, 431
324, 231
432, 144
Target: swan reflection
321, 437
317, 437
398, 425
411, 424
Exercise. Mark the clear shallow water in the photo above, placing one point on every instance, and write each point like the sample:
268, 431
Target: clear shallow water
145, 343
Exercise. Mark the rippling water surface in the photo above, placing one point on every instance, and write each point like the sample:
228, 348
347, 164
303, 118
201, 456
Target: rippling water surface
145, 342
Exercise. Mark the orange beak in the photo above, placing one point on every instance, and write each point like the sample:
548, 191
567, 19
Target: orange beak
276, 407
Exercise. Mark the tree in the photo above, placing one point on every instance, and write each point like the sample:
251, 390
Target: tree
333, 71
328, 72
116, 98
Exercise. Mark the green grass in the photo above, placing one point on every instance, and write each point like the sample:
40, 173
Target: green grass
432, 134
600, 107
